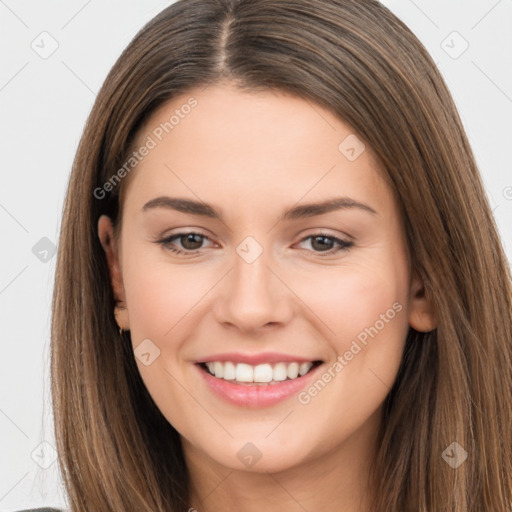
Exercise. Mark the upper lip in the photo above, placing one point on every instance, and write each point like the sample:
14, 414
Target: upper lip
255, 359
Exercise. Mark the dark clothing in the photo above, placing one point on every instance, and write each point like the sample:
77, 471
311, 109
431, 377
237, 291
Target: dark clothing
46, 509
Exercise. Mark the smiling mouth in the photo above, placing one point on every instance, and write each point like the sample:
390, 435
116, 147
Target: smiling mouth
261, 374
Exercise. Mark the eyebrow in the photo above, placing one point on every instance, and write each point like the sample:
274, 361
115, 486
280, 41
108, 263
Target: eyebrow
297, 212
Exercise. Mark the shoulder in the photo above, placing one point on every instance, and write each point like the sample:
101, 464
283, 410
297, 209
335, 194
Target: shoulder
45, 509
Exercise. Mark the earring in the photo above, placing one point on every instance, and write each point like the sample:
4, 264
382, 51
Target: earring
116, 313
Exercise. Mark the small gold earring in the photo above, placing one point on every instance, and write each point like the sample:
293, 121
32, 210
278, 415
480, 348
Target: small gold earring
117, 310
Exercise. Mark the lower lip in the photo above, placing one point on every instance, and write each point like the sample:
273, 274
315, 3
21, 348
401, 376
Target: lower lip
256, 395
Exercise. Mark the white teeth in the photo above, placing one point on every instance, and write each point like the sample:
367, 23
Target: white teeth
218, 368
229, 371
280, 372
293, 370
303, 369
261, 373
244, 373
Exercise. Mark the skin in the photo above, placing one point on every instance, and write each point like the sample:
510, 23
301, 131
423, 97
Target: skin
253, 156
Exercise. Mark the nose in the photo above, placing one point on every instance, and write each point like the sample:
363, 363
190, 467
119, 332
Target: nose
253, 296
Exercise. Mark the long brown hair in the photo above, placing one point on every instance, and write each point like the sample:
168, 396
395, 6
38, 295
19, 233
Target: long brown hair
116, 450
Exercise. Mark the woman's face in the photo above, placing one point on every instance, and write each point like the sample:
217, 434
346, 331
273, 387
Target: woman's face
292, 258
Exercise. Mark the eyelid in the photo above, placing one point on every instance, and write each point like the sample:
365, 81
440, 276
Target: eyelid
342, 243
168, 237
183, 232
328, 232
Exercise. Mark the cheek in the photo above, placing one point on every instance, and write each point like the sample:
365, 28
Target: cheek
349, 300
161, 299
160, 295
362, 311
365, 309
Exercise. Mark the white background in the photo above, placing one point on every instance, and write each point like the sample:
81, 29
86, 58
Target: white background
43, 106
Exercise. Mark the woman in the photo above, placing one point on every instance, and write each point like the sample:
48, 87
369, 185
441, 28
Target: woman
338, 335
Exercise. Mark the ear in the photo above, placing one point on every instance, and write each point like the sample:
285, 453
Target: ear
106, 236
421, 316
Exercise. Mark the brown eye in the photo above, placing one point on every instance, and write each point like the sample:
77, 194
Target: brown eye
189, 242
324, 243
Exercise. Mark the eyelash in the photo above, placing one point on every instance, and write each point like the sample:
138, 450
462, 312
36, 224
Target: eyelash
343, 244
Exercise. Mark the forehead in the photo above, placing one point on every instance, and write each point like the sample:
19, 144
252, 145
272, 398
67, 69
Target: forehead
224, 117
221, 140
